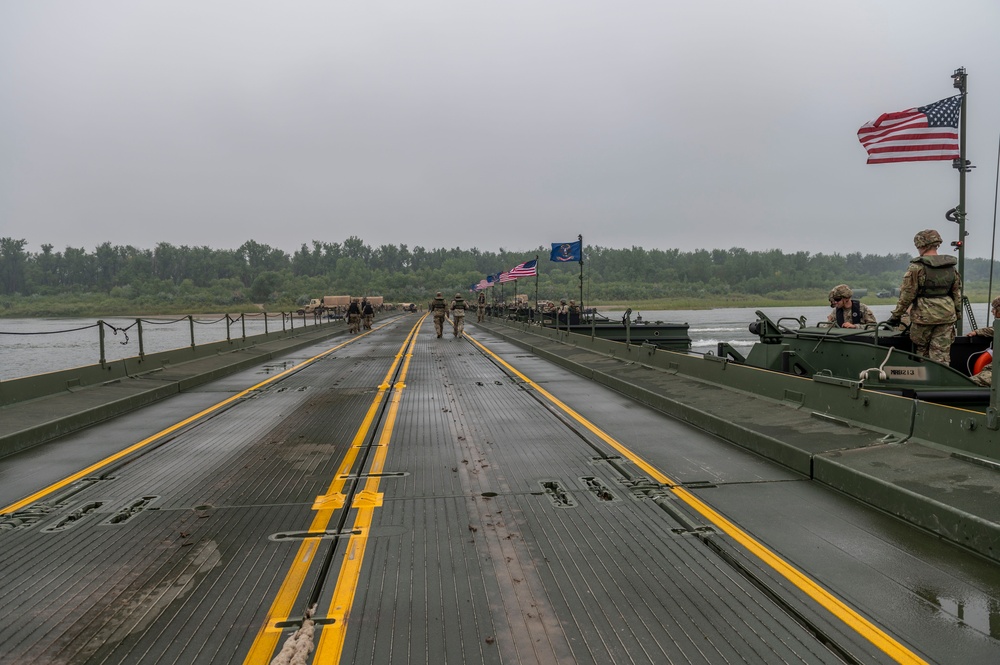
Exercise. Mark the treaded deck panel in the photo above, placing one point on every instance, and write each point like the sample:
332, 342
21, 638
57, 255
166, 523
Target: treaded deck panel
158, 587
600, 581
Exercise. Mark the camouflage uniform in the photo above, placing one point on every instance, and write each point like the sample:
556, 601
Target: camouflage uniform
985, 377
458, 314
438, 307
354, 316
933, 287
856, 312
480, 306
367, 314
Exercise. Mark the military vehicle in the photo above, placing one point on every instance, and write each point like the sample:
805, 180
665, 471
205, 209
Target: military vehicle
878, 357
332, 304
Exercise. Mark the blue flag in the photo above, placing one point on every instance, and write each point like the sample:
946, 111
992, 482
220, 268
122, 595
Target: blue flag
565, 252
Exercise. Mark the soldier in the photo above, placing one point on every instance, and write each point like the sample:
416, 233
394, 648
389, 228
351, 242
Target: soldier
933, 287
458, 314
480, 306
354, 316
438, 307
562, 313
367, 313
573, 312
848, 313
985, 376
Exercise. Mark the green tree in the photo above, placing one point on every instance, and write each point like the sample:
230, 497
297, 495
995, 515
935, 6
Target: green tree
13, 261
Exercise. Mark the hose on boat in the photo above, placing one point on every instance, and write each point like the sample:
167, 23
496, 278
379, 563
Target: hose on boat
880, 369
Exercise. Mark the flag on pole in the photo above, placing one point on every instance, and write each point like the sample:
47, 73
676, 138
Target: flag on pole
505, 277
565, 252
483, 284
526, 269
920, 134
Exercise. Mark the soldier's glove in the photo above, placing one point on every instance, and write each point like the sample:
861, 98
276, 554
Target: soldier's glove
894, 321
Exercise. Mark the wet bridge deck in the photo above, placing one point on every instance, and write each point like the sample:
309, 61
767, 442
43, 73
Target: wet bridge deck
398, 498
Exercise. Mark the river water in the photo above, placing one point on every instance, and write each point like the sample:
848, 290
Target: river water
36, 346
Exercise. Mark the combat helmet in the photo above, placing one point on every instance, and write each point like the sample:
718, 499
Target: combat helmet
927, 238
840, 291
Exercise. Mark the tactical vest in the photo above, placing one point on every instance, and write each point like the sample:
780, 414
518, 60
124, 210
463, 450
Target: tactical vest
855, 313
938, 280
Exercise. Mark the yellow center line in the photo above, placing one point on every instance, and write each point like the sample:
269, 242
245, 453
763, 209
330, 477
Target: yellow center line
814, 590
269, 634
97, 466
332, 636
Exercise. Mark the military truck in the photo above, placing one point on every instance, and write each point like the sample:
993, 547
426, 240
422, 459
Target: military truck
332, 304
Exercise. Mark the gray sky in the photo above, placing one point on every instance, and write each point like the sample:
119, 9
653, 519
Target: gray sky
466, 123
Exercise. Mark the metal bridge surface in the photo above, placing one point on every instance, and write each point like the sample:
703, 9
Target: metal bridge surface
398, 498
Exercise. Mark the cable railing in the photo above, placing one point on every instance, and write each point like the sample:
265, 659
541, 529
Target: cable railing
42, 345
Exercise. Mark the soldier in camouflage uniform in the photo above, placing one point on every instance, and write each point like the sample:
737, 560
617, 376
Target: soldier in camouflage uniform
985, 377
480, 307
438, 309
354, 316
933, 287
458, 314
848, 313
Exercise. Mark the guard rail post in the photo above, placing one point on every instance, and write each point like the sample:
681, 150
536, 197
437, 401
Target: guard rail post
100, 337
243, 325
191, 324
229, 337
138, 327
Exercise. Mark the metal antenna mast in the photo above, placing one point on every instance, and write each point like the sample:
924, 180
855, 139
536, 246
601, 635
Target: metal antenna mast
960, 80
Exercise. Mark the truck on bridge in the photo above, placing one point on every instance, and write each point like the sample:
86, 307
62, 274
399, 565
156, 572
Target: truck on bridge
332, 304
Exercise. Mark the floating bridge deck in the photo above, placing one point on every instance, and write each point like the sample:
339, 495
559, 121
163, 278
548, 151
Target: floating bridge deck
401, 498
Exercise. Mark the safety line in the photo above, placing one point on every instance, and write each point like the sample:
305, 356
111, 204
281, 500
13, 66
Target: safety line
28, 500
822, 596
264, 645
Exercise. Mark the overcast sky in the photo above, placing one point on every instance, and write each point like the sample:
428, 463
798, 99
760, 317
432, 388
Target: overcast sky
474, 123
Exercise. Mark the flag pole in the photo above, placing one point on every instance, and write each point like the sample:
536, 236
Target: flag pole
537, 317
959, 80
515, 300
581, 274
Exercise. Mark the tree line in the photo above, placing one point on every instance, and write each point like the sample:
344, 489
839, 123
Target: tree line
258, 273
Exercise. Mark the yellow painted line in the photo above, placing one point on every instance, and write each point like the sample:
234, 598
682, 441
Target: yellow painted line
331, 640
264, 645
83, 473
823, 597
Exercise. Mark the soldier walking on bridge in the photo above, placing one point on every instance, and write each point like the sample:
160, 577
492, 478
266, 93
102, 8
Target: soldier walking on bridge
458, 314
354, 316
367, 313
438, 309
480, 306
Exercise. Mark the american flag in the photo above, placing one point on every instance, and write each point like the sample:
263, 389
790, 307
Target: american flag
505, 277
526, 269
915, 135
